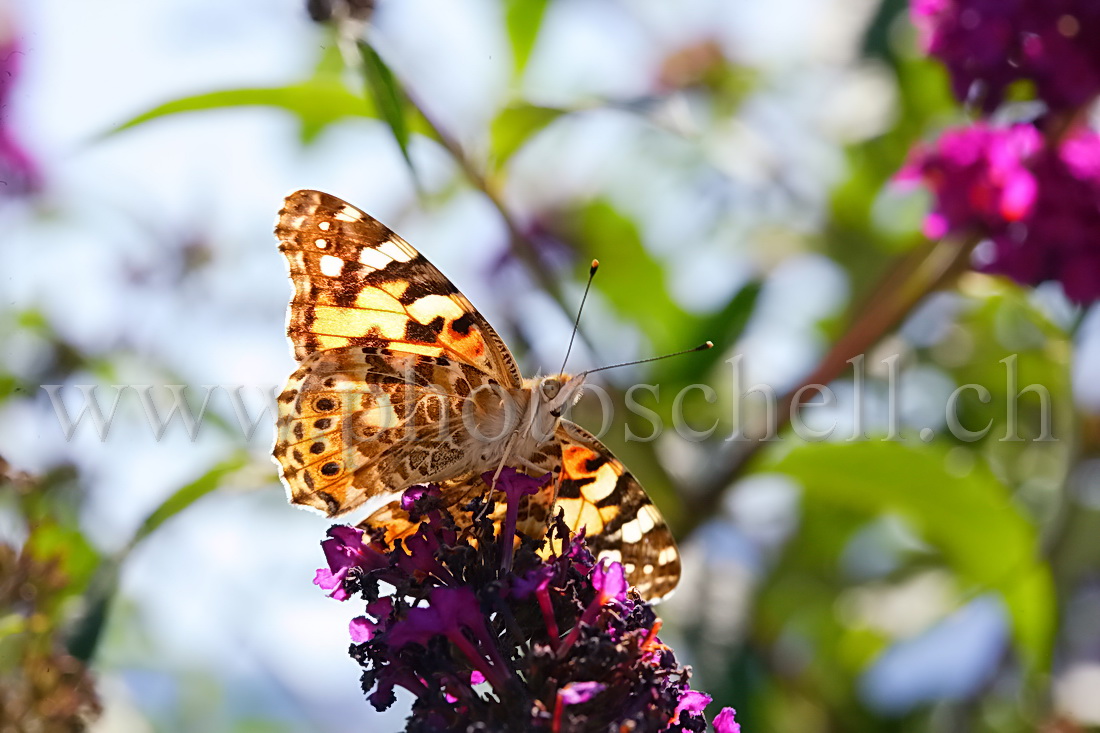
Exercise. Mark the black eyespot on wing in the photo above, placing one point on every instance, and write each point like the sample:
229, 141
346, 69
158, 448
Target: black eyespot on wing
324, 405
317, 447
331, 468
463, 324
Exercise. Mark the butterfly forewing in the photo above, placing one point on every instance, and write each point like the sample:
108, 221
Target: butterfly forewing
356, 283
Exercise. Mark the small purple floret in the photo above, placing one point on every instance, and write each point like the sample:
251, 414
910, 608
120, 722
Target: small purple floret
577, 692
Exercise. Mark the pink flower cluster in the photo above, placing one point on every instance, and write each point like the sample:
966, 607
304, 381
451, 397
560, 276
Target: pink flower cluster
18, 171
1037, 205
990, 44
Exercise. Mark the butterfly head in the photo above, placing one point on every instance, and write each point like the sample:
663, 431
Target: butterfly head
558, 392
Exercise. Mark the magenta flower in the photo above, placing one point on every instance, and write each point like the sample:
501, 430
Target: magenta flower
724, 722
18, 172
988, 45
549, 644
980, 178
345, 550
1037, 207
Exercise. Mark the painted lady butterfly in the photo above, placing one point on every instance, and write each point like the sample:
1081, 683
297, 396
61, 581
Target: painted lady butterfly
401, 382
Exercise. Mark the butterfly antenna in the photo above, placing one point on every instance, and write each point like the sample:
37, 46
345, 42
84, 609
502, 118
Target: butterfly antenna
701, 347
577, 323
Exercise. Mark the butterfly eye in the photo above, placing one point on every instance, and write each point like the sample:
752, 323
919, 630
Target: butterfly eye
550, 388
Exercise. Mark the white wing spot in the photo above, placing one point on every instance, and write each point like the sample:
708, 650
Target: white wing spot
325, 226
321, 243
348, 214
331, 266
373, 258
391, 250
612, 555
647, 569
632, 532
647, 518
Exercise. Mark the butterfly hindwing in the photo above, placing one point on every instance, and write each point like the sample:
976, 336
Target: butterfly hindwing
598, 494
356, 283
356, 422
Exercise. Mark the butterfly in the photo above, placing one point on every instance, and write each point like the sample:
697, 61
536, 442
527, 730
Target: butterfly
402, 382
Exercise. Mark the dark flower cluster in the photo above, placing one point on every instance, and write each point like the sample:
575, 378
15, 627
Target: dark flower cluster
493, 635
990, 44
1038, 205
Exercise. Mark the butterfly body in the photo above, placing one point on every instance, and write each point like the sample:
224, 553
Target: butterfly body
402, 382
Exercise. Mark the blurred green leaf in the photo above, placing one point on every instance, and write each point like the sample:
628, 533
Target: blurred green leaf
637, 287
514, 126
188, 494
969, 517
388, 96
724, 328
1004, 344
523, 19
53, 542
316, 103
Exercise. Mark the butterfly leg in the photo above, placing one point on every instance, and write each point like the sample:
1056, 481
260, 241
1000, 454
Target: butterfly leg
496, 474
504, 458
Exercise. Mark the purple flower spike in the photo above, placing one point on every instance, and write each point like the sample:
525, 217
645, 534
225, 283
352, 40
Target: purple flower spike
988, 45
454, 620
724, 722
1033, 203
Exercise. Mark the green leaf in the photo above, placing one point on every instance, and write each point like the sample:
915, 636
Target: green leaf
514, 126
968, 516
523, 19
316, 103
53, 542
188, 494
724, 328
388, 96
637, 288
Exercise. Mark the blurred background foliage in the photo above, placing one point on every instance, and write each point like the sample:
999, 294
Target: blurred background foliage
729, 163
